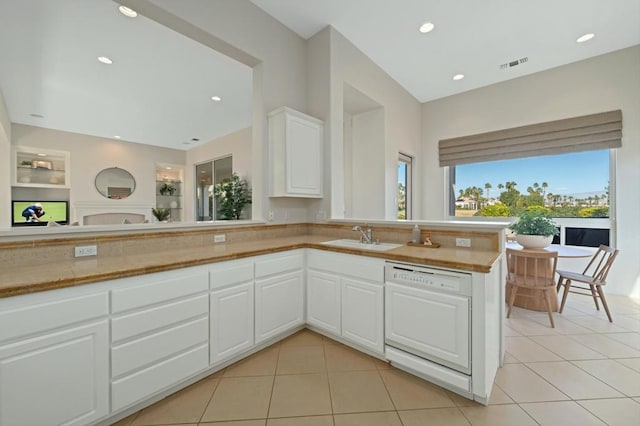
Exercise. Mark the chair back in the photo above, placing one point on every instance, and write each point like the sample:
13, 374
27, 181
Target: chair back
535, 269
600, 263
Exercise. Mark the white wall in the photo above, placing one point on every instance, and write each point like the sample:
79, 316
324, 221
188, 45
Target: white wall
5, 171
599, 84
367, 165
90, 154
237, 144
402, 125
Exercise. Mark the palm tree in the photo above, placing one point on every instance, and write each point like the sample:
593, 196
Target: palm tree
545, 185
500, 187
487, 186
550, 198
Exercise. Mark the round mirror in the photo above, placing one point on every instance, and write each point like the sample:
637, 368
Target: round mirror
115, 183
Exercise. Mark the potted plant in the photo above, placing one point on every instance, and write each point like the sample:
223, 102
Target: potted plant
534, 229
167, 187
232, 195
162, 215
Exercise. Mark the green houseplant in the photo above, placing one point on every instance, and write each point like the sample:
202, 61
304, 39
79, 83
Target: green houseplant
232, 195
534, 228
167, 188
162, 215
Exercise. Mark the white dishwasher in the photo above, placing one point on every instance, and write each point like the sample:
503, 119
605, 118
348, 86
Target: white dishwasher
428, 323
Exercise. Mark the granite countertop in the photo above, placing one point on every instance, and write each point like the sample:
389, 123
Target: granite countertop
49, 276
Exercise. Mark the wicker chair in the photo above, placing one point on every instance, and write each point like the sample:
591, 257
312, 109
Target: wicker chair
534, 270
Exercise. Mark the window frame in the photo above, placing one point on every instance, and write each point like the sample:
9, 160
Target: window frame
563, 222
408, 161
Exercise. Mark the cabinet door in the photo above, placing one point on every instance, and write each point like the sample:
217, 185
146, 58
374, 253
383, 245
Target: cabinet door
323, 301
58, 378
231, 328
363, 313
303, 156
279, 305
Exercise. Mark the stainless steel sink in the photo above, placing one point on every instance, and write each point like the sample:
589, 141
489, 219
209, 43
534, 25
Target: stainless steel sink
346, 243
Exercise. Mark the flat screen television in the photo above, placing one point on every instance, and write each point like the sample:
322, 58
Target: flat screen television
57, 211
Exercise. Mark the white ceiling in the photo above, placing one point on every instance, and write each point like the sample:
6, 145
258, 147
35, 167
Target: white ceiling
471, 37
157, 91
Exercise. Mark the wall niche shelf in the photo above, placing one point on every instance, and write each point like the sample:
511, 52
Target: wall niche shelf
170, 189
40, 168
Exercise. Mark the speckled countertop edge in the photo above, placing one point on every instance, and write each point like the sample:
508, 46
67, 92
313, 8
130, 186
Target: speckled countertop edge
42, 277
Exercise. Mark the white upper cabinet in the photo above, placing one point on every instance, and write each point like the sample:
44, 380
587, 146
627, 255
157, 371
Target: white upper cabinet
295, 154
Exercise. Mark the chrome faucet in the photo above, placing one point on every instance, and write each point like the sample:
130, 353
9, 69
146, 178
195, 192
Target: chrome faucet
365, 236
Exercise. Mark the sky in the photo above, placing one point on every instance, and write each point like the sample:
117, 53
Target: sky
566, 174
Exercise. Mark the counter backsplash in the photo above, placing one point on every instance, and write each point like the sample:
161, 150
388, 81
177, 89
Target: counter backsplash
27, 252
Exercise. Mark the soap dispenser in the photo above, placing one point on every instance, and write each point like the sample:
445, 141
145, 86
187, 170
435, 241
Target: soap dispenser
415, 234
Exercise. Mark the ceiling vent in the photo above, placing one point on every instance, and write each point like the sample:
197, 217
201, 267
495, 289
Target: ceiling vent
514, 63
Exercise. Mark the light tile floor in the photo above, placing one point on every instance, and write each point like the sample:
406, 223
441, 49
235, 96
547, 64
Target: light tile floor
586, 371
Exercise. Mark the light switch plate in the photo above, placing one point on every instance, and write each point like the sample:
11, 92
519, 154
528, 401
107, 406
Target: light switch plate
463, 242
220, 238
86, 251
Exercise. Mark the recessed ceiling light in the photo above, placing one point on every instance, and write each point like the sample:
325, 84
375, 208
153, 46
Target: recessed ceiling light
216, 98
585, 37
128, 12
427, 27
203, 171
458, 77
37, 115
42, 155
117, 137
105, 60
168, 168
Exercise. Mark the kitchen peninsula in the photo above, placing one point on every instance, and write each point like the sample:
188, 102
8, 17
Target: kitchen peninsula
154, 312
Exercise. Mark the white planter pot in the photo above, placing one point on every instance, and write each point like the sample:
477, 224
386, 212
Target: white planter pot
534, 241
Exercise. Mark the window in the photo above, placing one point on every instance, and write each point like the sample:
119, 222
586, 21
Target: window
206, 176
574, 187
404, 186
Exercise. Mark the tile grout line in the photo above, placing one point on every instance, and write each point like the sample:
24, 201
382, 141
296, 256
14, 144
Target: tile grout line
324, 355
214, 391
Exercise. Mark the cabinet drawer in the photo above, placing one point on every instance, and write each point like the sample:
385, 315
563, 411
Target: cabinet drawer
346, 264
229, 273
150, 349
38, 317
143, 384
156, 288
130, 325
275, 264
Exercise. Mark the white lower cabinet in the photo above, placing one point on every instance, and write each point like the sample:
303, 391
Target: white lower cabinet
324, 301
279, 304
363, 313
231, 327
345, 296
59, 375
160, 332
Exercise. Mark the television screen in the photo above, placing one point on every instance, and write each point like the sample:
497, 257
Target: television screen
22, 212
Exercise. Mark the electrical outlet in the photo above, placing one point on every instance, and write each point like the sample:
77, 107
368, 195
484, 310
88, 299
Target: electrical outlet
220, 238
271, 215
86, 251
463, 242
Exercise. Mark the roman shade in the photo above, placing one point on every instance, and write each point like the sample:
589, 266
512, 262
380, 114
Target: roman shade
586, 133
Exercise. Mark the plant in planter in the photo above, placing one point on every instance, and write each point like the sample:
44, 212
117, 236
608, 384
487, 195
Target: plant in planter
162, 215
167, 188
232, 195
534, 228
